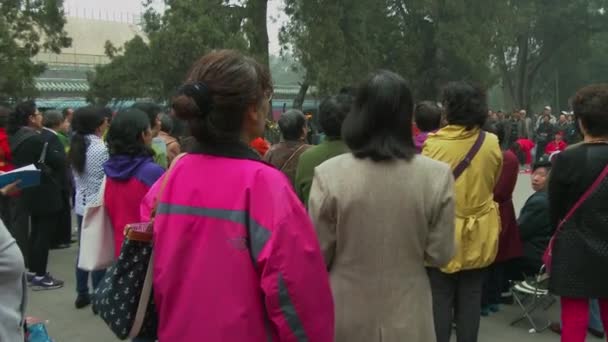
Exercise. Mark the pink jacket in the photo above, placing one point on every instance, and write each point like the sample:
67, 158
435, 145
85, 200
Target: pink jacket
235, 256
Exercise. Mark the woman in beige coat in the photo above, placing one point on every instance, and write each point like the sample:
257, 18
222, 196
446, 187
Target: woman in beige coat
382, 213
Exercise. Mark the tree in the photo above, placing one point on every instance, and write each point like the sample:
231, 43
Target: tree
26, 28
429, 42
187, 30
534, 33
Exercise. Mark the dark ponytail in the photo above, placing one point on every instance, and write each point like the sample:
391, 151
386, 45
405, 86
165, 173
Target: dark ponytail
86, 121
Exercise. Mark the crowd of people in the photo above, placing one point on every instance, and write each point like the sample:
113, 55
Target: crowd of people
378, 233
540, 135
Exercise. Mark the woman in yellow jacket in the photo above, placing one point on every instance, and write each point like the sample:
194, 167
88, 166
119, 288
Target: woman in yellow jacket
457, 286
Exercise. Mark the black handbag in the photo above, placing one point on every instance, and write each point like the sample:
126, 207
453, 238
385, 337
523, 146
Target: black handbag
124, 299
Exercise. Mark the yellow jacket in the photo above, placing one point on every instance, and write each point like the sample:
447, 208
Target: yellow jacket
477, 216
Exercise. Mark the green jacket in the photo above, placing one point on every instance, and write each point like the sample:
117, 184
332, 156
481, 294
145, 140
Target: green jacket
312, 158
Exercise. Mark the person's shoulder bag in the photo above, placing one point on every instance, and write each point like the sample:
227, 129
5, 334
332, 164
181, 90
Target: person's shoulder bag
124, 298
96, 250
548, 255
466, 162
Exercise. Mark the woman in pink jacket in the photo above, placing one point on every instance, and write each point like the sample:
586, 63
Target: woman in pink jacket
236, 257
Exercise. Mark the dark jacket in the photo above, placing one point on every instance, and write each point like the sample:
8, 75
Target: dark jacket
535, 229
27, 145
580, 253
509, 243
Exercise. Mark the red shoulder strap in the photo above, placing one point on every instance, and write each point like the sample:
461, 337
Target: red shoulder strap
598, 181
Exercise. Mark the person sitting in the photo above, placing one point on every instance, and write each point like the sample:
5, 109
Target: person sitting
428, 120
286, 154
556, 145
535, 228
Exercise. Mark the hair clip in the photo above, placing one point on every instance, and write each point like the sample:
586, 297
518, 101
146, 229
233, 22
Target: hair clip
201, 95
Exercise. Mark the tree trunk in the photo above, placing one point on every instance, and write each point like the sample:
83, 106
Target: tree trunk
298, 102
257, 32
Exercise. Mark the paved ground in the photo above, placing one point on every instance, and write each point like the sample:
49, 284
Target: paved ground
66, 324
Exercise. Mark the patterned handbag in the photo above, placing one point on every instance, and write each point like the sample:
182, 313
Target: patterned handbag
124, 298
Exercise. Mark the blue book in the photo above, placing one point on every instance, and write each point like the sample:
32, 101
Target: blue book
28, 175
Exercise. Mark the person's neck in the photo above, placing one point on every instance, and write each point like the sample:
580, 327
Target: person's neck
591, 139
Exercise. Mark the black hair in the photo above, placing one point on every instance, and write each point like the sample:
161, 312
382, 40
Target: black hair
428, 116
151, 109
52, 119
495, 128
220, 88
108, 114
20, 116
542, 162
465, 104
332, 112
291, 124
166, 124
86, 121
125, 134
590, 106
521, 156
4, 114
66, 111
379, 125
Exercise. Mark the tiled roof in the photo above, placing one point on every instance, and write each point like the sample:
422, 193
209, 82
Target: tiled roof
62, 85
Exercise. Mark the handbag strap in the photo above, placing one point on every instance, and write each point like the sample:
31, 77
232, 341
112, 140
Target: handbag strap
291, 157
598, 181
466, 162
146, 291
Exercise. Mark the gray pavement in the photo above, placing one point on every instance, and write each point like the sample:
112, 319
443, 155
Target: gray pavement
66, 324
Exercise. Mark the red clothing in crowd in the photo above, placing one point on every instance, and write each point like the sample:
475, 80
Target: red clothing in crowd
555, 146
6, 159
260, 145
526, 146
509, 243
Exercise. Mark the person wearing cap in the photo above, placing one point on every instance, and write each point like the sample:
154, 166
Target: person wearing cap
547, 111
535, 228
556, 145
562, 123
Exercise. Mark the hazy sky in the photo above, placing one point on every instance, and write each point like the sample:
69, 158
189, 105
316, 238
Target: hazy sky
275, 14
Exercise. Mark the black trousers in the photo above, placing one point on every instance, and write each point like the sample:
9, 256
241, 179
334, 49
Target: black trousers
41, 235
20, 226
494, 285
63, 231
456, 298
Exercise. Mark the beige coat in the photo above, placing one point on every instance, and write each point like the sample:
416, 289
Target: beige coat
378, 224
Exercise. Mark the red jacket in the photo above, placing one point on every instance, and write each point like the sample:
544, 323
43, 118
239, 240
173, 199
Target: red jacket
509, 242
260, 145
6, 158
526, 146
555, 146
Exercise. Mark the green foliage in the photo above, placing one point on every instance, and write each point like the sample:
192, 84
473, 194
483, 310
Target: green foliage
26, 28
533, 34
429, 42
188, 29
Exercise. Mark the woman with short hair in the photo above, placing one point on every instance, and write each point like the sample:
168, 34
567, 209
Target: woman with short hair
130, 170
476, 160
286, 154
580, 250
382, 213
